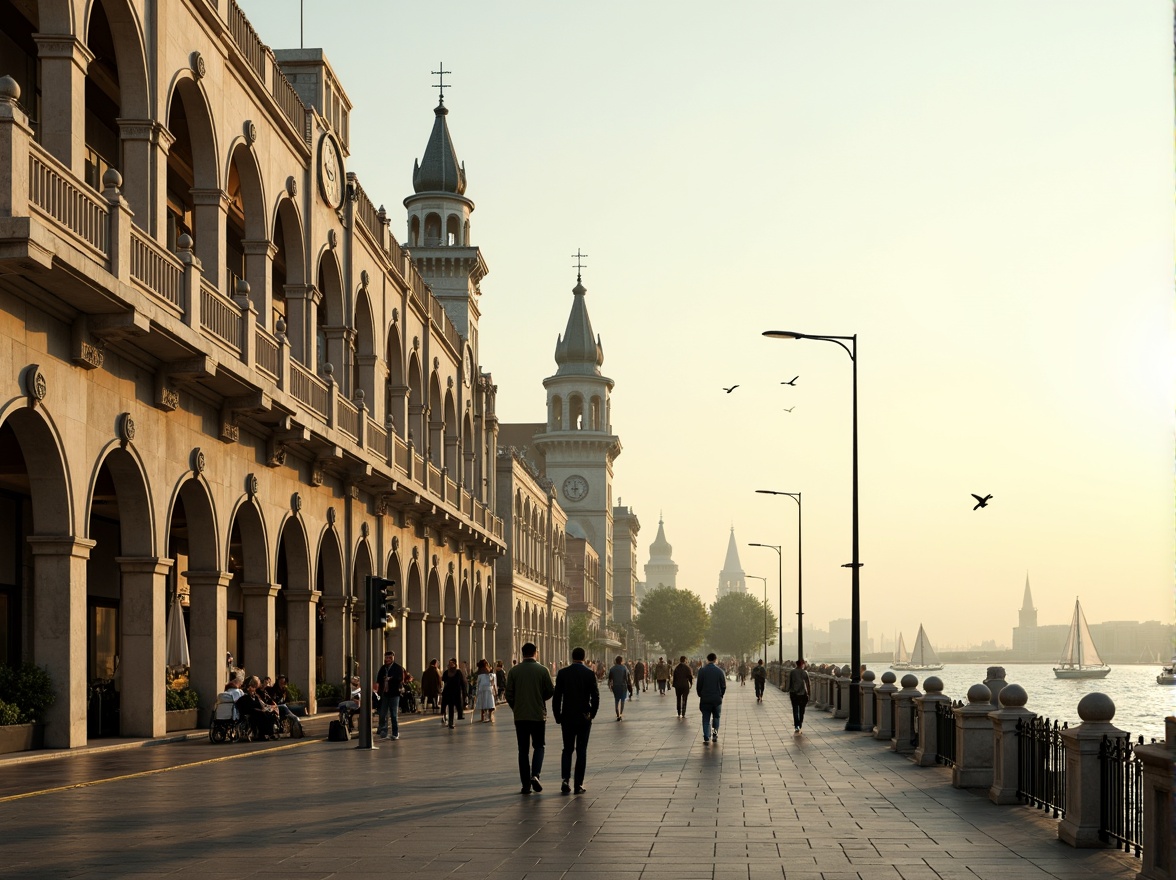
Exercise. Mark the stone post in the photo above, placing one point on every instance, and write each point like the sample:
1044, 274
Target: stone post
841, 705
259, 648
335, 618
190, 282
207, 613
248, 323
1005, 756
868, 686
414, 642
995, 683
301, 616
927, 707
903, 740
142, 701
64, 60
973, 767
1079, 827
121, 218
15, 135
885, 705
1159, 806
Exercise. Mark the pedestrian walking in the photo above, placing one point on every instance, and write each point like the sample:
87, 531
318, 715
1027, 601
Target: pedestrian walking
683, 680
500, 680
389, 680
431, 687
759, 676
528, 688
798, 693
453, 693
487, 691
621, 683
640, 674
661, 674
741, 673
574, 704
711, 686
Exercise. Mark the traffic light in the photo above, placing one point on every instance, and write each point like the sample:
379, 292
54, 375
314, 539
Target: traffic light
380, 601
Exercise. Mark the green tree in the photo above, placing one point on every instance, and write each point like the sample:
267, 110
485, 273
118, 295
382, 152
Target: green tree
675, 619
737, 625
580, 635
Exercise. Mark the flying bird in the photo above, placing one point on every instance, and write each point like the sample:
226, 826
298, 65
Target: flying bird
981, 502
790, 409
793, 382
732, 388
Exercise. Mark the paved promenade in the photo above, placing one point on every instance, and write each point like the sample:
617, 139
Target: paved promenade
660, 805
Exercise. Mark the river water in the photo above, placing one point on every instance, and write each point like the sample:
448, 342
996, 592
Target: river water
1140, 704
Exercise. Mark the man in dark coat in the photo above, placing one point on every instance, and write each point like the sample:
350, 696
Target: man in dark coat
683, 679
388, 682
711, 686
574, 704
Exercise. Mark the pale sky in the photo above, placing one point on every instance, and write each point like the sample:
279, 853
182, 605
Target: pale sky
982, 192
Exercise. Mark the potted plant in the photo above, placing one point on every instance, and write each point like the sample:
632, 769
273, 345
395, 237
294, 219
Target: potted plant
181, 704
328, 694
295, 704
26, 693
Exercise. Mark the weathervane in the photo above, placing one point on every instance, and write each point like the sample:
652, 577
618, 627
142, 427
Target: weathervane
441, 87
579, 257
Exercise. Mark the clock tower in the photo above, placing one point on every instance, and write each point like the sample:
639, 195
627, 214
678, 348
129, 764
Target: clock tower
577, 442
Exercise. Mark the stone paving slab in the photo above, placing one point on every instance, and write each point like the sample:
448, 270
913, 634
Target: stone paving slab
443, 803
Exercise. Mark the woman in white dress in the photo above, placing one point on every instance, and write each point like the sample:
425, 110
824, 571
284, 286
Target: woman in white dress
487, 691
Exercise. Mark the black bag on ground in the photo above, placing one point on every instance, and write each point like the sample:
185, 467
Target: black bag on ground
337, 732
296, 731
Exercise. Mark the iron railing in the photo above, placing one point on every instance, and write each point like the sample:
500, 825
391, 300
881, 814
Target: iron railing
945, 732
1121, 802
1041, 764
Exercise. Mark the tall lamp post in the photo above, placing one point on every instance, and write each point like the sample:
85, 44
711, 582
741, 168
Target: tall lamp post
795, 496
765, 580
855, 637
780, 561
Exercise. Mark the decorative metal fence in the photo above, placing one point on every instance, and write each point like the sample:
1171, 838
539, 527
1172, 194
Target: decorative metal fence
1041, 773
945, 733
1121, 805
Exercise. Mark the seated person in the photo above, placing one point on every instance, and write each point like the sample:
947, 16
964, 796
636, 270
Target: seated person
348, 709
279, 694
253, 709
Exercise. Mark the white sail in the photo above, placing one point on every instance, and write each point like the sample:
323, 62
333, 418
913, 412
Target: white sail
1080, 657
901, 654
923, 655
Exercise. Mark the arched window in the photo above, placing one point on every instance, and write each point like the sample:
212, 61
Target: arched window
432, 230
414, 231
453, 230
103, 100
555, 416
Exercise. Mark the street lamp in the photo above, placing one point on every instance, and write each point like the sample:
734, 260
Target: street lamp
855, 637
780, 561
795, 496
765, 580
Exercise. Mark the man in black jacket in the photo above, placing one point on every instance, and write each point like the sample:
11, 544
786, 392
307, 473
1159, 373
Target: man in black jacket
574, 705
388, 682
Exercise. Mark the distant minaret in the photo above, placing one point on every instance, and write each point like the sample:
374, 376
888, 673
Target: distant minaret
731, 578
1025, 635
661, 570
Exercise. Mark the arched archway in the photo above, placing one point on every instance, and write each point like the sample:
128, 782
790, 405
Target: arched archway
294, 610
436, 419
193, 192
395, 389
288, 277
451, 427
433, 644
364, 351
414, 636
249, 616
248, 251
331, 334
334, 612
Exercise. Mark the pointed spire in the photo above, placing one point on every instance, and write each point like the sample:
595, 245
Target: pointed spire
1027, 604
732, 564
577, 351
439, 170
660, 548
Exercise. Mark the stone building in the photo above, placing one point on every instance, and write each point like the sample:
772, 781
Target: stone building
732, 578
661, 570
225, 378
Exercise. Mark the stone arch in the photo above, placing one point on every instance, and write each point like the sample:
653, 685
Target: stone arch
252, 565
417, 419
288, 267
47, 471
192, 502
247, 229
286, 615
453, 230
333, 619
364, 351
395, 571
452, 451
330, 318
395, 389
414, 594
432, 234
436, 419
363, 565
467, 451
132, 498
193, 196
329, 574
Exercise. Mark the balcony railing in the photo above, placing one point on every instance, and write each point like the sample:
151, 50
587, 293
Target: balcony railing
155, 270
268, 353
347, 419
220, 316
246, 39
71, 203
308, 389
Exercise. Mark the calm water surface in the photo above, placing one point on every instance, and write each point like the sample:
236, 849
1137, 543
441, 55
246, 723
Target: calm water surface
1140, 704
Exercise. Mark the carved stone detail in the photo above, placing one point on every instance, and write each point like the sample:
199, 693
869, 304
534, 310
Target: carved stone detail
126, 428
276, 454
36, 386
332, 238
331, 516
296, 502
252, 484
250, 131
364, 529
317, 475
196, 61
198, 461
230, 431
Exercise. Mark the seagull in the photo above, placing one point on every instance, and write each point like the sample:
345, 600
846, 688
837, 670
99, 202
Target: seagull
732, 388
793, 382
981, 502
790, 409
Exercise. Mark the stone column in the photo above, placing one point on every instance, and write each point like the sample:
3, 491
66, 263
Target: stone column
336, 614
301, 307
394, 640
1079, 827
868, 686
903, 740
1159, 801
145, 145
209, 217
414, 642
433, 648
64, 61
841, 704
207, 615
259, 627
885, 705
1005, 755
301, 618
340, 345
59, 632
142, 655
259, 263
451, 645
973, 768
15, 135
927, 708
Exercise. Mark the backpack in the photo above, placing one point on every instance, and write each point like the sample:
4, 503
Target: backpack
337, 732
296, 731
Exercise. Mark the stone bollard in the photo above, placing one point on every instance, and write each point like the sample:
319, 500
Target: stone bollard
841, 704
995, 683
823, 687
868, 700
1079, 827
885, 706
1159, 806
927, 751
973, 767
1005, 756
903, 740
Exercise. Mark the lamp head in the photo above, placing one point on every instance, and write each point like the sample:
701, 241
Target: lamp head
783, 334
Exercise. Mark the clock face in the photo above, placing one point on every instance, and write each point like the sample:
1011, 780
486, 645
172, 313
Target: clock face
330, 171
575, 488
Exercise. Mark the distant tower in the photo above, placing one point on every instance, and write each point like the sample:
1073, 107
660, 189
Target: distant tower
732, 578
1025, 634
661, 570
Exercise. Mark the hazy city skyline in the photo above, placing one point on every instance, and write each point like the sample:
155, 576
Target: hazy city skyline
981, 193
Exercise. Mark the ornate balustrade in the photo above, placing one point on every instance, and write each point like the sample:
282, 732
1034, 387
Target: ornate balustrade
74, 206
155, 270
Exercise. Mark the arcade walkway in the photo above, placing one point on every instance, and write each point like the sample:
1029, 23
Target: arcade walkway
438, 803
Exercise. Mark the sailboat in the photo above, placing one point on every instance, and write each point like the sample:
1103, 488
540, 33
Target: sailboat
1080, 657
1167, 673
923, 656
902, 657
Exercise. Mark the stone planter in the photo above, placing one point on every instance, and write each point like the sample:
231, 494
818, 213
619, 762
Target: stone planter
21, 737
181, 719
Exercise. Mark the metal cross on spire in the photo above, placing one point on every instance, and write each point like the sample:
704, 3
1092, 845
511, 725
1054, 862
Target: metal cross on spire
579, 257
441, 87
